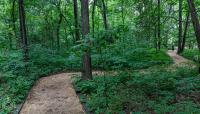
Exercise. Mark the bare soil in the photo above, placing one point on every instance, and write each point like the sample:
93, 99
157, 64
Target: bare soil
179, 61
53, 95
177, 58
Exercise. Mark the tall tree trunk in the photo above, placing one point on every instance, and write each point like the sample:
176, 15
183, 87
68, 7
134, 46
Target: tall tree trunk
180, 37
123, 17
93, 17
195, 20
58, 31
13, 23
187, 24
104, 13
10, 40
76, 22
156, 38
87, 66
24, 40
159, 26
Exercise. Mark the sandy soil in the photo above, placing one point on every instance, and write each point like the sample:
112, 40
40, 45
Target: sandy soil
53, 95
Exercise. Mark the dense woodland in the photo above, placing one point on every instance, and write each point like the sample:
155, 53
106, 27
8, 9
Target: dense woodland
127, 39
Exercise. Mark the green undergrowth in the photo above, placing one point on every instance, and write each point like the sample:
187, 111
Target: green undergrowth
131, 58
15, 82
156, 92
191, 54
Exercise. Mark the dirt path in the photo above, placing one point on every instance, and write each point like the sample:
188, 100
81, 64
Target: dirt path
53, 95
177, 58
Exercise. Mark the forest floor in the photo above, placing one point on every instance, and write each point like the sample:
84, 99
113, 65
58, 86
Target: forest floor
55, 94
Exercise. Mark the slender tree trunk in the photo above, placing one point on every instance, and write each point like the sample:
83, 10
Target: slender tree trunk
23, 30
58, 31
156, 38
13, 23
187, 24
76, 23
195, 20
70, 28
180, 37
122, 2
104, 13
87, 66
13, 17
159, 26
93, 17
10, 40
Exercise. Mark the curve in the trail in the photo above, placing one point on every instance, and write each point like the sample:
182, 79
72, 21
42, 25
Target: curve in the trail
53, 95
176, 58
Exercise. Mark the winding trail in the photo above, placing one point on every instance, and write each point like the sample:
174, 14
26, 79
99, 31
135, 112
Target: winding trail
53, 95
177, 58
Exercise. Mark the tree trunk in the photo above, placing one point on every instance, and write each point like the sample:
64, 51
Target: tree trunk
159, 24
195, 20
104, 12
76, 23
13, 23
87, 66
123, 17
58, 31
180, 38
187, 24
156, 38
93, 16
10, 40
24, 40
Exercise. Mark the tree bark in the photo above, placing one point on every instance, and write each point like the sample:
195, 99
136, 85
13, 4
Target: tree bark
24, 40
76, 23
87, 66
156, 38
58, 31
10, 40
187, 24
159, 24
123, 17
104, 13
93, 17
180, 37
195, 20
13, 23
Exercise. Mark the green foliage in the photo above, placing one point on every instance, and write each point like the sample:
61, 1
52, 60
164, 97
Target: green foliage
43, 61
157, 92
15, 82
115, 58
126, 45
190, 54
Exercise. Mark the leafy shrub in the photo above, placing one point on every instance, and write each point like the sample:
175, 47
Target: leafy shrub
190, 54
131, 58
157, 92
15, 82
